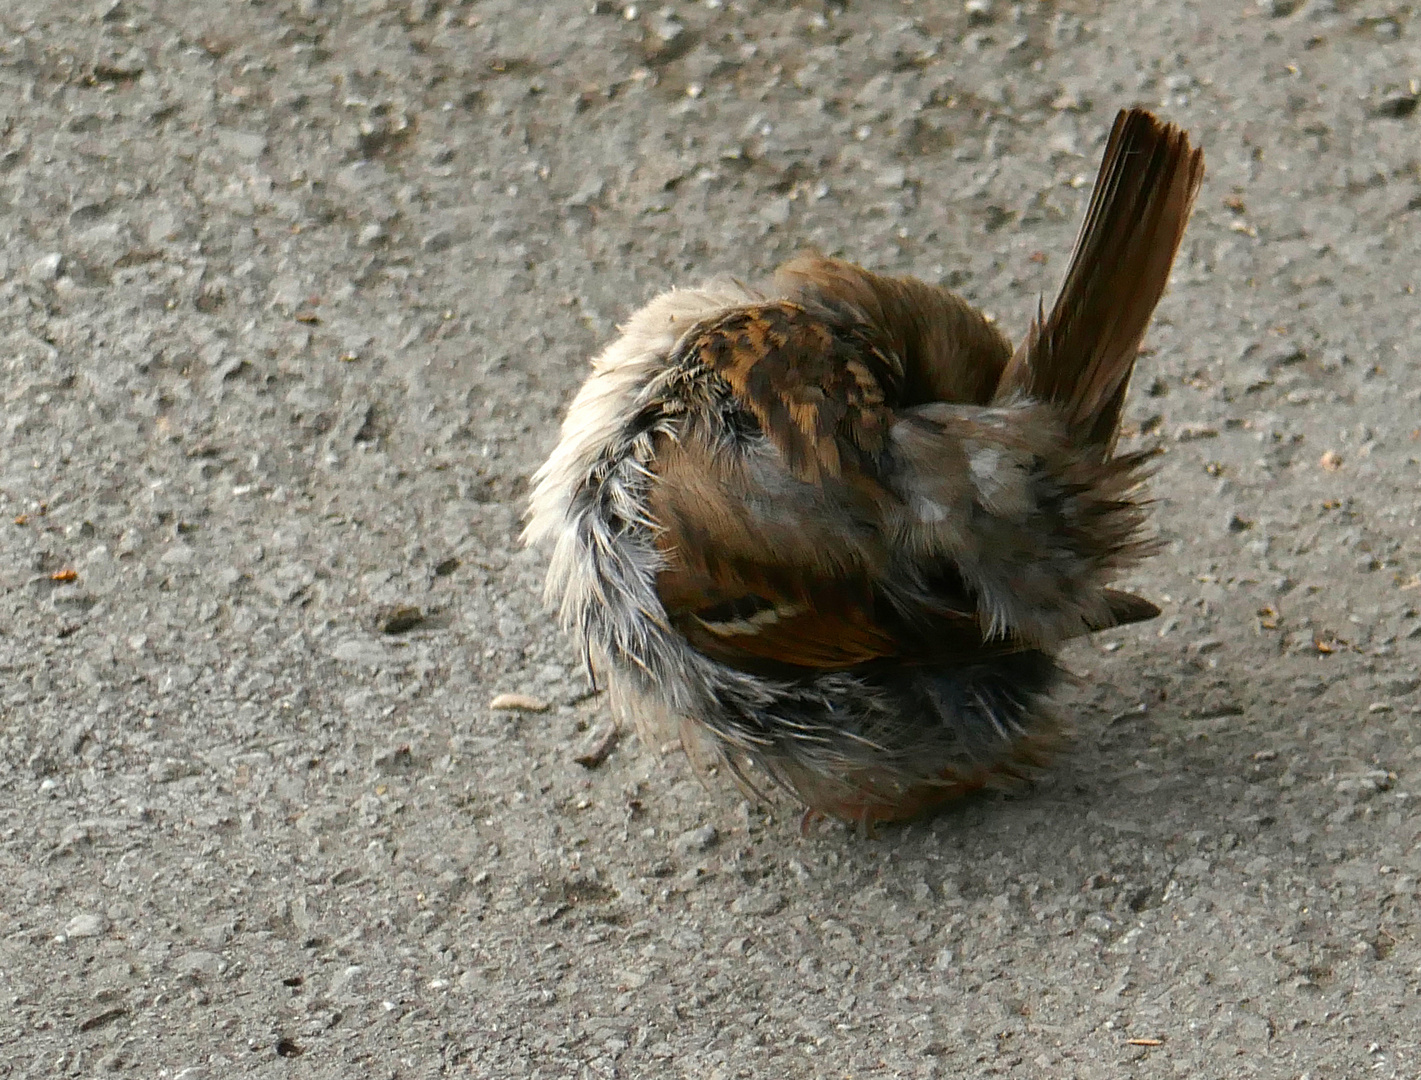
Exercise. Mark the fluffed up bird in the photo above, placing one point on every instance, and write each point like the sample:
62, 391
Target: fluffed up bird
840, 529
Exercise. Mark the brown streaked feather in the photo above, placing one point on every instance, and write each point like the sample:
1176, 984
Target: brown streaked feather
1081, 355
950, 352
817, 389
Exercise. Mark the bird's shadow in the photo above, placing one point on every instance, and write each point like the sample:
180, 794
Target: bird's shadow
1150, 772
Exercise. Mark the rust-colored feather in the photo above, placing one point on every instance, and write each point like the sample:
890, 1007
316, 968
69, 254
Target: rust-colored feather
1081, 355
817, 388
950, 352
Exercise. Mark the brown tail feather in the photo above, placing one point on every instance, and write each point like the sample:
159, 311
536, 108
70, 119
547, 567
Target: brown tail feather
1081, 355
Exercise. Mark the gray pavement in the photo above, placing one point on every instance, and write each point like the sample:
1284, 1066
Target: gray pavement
292, 294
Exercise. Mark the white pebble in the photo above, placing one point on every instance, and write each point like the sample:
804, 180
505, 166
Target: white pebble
84, 926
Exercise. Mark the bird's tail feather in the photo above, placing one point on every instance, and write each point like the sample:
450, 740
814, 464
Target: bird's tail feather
1080, 355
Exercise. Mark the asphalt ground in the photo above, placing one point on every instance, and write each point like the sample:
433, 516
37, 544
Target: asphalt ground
292, 295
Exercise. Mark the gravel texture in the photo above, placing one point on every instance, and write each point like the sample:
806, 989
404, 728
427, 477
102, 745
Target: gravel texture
292, 293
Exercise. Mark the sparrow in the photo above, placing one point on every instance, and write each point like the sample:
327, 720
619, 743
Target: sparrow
838, 529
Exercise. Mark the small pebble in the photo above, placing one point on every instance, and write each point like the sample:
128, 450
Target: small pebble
668, 28
599, 746
393, 759
892, 178
587, 194
758, 903
1237, 524
84, 926
47, 267
401, 620
437, 241
699, 839
248, 145
775, 212
200, 965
